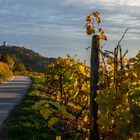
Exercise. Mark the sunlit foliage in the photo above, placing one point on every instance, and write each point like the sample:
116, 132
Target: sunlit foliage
91, 21
118, 97
5, 72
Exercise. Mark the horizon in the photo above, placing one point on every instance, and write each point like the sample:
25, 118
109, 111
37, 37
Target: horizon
55, 29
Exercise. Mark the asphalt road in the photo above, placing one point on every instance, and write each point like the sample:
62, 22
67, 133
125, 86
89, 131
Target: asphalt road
11, 93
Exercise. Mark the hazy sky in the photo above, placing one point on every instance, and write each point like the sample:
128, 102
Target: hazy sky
56, 27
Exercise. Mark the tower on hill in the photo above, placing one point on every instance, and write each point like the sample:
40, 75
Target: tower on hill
5, 44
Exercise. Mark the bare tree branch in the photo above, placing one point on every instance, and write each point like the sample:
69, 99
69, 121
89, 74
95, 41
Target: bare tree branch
122, 37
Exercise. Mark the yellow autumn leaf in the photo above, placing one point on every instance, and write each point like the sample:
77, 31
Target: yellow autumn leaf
90, 30
126, 74
75, 84
102, 36
56, 77
101, 31
82, 69
86, 98
124, 60
98, 20
96, 15
88, 19
111, 68
83, 88
86, 118
75, 95
134, 74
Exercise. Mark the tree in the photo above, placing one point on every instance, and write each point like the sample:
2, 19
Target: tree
20, 67
6, 58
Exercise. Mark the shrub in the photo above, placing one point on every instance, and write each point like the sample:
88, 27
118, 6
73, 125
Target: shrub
5, 73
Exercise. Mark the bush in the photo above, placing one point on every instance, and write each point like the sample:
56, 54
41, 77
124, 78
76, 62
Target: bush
5, 73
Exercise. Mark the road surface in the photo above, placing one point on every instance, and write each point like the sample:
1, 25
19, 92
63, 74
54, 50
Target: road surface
11, 93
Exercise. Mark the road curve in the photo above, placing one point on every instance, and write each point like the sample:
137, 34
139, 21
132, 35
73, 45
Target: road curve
11, 93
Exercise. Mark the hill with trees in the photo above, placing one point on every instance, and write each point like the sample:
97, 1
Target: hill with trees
22, 56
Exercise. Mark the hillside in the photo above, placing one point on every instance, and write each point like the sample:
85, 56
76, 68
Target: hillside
32, 60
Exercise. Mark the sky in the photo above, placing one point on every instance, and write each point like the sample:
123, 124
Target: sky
57, 27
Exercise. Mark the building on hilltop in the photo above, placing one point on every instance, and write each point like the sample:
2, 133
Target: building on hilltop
5, 44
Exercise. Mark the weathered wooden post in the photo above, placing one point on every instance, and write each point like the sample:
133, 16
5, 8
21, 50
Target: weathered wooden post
94, 78
94, 74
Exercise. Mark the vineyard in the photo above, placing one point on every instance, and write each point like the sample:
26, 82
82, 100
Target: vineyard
58, 102
59, 105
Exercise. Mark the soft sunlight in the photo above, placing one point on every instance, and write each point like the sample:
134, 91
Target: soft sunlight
69, 69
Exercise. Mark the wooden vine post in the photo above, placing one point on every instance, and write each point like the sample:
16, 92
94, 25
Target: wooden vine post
94, 74
94, 78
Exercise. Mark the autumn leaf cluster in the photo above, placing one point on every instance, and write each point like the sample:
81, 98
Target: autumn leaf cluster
90, 25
